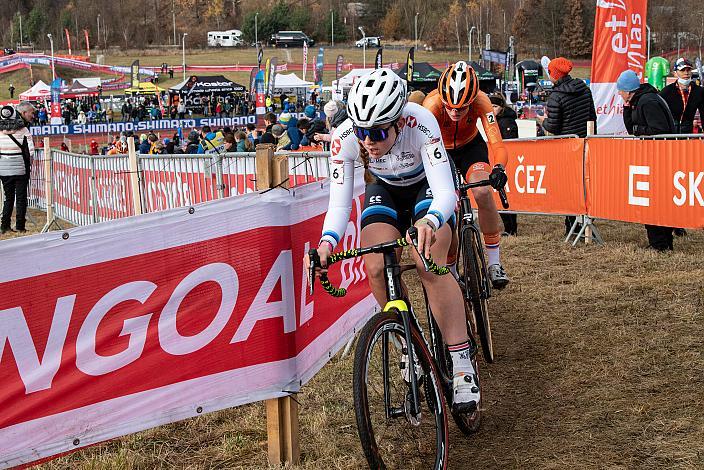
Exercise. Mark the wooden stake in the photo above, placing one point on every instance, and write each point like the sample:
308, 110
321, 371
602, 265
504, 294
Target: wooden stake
282, 431
134, 177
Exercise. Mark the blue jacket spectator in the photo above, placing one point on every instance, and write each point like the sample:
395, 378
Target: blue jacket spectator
294, 134
144, 145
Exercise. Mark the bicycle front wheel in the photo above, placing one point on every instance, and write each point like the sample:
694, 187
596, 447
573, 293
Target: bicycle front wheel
392, 436
472, 275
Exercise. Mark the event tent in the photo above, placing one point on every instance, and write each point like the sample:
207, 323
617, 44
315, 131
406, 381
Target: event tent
348, 80
423, 73
79, 89
145, 88
206, 84
289, 83
39, 91
487, 80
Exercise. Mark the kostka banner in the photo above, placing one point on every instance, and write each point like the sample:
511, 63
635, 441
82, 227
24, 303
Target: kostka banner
619, 44
130, 324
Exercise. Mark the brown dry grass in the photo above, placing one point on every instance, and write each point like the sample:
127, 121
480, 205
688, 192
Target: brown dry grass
599, 366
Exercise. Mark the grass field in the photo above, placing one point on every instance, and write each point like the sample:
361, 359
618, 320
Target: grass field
233, 56
599, 365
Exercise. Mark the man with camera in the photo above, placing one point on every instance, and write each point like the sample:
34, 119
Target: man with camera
16, 148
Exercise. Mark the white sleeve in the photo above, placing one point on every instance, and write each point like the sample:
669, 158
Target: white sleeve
344, 150
438, 171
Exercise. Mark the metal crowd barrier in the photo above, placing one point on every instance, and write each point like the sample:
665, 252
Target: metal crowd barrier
93, 188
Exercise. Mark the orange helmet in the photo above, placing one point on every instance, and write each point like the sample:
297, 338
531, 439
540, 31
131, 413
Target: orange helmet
458, 85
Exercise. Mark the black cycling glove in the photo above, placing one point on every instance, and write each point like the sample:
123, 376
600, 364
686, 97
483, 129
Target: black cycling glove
498, 178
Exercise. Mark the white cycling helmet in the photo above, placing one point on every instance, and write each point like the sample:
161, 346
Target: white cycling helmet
376, 98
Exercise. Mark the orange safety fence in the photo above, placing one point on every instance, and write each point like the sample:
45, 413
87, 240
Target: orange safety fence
545, 176
657, 182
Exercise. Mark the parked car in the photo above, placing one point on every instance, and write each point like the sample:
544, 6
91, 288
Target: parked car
369, 41
291, 39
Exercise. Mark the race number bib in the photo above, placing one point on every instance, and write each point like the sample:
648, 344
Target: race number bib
337, 171
436, 153
490, 118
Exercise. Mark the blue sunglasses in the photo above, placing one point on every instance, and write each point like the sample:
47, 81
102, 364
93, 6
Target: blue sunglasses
375, 135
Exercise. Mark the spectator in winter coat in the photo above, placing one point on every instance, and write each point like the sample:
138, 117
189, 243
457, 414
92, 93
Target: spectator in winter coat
16, 149
243, 143
317, 125
570, 104
646, 113
279, 135
144, 144
193, 142
294, 135
569, 107
506, 119
684, 97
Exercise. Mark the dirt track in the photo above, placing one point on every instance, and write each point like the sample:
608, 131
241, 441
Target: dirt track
600, 365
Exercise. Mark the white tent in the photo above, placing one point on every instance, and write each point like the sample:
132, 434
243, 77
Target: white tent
350, 78
290, 83
38, 92
89, 82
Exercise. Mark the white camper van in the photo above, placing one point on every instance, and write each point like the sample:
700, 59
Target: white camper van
231, 38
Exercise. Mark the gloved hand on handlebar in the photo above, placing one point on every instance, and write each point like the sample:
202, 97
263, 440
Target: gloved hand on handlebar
498, 178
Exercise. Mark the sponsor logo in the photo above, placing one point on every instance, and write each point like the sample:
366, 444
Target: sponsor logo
432, 141
346, 134
336, 146
405, 156
411, 121
425, 130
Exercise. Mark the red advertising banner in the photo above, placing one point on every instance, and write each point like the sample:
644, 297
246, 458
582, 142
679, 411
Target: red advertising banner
545, 176
619, 44
653, 182
147, 320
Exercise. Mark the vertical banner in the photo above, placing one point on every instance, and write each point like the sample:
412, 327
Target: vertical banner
409, 64
68, 40
377, 61
260, 54
85, 33
619, 44
272, 77
319, 67
338, 67
266, 75
56, 102
134, 74
252, 83
305, 59
259, 86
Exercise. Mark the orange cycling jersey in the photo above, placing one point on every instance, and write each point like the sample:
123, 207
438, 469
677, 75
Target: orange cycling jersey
458, 134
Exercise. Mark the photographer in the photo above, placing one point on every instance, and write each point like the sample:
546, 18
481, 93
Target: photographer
16, 148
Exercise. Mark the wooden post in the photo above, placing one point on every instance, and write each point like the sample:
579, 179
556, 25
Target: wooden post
264, 159
134, 177
282, 431
280, 171
588, 229
281, 413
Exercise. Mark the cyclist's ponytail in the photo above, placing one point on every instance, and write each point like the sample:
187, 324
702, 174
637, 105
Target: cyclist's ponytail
364, 155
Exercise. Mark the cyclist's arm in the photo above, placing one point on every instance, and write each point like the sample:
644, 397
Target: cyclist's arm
493, 131
437, 170
342, 158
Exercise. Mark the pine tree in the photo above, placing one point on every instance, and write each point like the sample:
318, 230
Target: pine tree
573, 32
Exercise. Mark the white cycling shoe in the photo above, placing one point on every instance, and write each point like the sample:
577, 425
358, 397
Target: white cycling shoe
465, 393
498, 276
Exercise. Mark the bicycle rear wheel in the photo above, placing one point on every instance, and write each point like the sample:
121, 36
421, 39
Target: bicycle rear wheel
392, 436
472, 275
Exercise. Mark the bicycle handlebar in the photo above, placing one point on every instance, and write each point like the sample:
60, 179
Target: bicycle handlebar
477, 184
429, 264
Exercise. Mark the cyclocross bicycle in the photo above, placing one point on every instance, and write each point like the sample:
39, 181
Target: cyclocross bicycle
400, 409
472, 270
